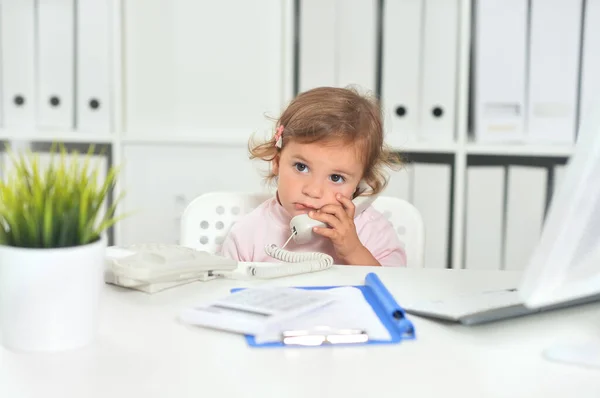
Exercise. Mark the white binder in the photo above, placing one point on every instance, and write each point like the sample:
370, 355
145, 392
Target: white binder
357, 43
559, 175
431, 195
93, 66
525, 207
401, 69
553, 70
484, 217
500, 69
401, 183
56, 46
440, 46
590, 69
317, 58
17, 35
6, 163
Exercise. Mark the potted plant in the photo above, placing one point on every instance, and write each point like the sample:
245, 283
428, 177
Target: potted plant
52, 250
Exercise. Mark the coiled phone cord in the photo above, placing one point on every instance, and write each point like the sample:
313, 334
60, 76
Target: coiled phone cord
294, 263
322, 260
297, 263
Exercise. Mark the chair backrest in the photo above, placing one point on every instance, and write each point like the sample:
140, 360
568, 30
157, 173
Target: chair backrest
409, 226
208, 218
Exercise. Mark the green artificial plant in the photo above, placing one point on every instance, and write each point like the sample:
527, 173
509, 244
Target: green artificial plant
59, 206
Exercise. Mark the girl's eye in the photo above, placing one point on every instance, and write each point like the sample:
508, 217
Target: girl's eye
301, 167
337, 178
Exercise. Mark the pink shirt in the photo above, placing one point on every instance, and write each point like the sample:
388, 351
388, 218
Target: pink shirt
269, 223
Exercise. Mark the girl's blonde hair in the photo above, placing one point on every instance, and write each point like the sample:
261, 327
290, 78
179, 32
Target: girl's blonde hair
334, 115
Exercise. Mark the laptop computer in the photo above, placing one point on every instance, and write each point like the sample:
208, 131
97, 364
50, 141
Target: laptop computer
484, 307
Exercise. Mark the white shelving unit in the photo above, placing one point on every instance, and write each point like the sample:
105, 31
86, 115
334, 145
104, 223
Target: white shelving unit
189, 147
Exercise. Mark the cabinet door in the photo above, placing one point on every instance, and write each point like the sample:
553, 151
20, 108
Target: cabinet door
159, 181
208, 69
338, 44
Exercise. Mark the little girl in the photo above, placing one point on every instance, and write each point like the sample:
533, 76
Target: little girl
326, 142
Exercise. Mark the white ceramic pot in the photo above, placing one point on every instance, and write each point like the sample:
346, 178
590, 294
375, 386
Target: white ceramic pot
49, 298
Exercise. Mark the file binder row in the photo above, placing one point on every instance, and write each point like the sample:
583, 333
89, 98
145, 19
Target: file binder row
55, 65
531, 58
428, 187
505, 210
418, 58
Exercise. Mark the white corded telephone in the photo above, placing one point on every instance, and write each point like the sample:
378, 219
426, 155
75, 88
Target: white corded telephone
155, 267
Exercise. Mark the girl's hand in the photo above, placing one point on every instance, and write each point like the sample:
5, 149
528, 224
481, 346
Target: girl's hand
342, 232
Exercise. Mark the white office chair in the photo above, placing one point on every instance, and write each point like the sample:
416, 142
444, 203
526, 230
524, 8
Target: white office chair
207, 219
409, 226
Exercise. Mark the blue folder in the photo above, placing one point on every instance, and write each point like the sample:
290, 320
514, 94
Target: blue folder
391, 315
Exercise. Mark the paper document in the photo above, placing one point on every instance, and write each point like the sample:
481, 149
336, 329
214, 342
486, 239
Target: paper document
350, 310
251, 311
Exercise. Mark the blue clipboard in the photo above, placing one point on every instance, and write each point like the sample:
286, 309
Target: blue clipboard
391, 315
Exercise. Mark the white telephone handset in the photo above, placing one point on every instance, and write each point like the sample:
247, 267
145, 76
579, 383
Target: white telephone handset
301, 226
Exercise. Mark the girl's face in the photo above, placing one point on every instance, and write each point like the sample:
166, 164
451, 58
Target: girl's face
310, 175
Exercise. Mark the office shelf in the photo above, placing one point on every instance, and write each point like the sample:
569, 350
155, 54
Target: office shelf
520, 150
56, 136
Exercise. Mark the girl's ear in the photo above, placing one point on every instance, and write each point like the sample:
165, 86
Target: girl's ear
275, 165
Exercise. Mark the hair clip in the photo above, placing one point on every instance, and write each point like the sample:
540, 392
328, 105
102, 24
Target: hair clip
278, 137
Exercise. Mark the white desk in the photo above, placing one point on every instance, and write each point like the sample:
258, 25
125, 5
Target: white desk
142, 351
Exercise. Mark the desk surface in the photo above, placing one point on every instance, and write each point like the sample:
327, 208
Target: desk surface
142, 351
